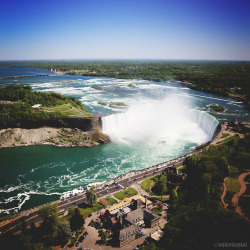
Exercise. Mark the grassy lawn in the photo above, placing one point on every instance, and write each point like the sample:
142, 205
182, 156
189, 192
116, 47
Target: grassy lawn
228, 139
232, 185
144, 184
163, 199
225, 135
67, 110
158, 211
111, 201
86, 211
126, 193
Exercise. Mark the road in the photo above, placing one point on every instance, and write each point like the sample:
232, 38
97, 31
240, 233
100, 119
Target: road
118, 185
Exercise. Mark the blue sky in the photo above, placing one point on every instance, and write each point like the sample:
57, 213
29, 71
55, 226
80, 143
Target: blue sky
136, 29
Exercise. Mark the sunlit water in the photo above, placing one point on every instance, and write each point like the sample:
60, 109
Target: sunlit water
160, 121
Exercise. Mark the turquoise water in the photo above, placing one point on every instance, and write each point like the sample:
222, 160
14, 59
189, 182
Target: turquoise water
30, 176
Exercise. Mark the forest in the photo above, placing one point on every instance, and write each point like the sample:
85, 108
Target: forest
16, 107
226, 78
198, 219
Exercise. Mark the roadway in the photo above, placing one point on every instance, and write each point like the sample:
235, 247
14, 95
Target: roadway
118, 185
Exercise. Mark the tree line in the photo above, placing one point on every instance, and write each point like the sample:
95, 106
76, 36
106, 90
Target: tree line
20, 112
220, 77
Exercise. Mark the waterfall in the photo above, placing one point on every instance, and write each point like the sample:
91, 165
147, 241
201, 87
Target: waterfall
205, 121
169, 120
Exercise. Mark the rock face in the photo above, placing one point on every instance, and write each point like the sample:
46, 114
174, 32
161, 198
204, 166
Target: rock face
60, 137
66, 132
85, 124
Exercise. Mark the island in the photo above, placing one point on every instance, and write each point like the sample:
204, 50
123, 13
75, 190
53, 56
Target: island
37, 118
217, 108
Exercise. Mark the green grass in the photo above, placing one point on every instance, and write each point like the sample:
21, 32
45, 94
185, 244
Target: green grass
111, 201
68, 110
121, 195
225, 135
227, 140
233, 185
217, 108
144, 184
233, 172
163, 199
158, 211
86, 211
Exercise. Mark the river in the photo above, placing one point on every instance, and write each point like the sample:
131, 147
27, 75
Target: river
148, 122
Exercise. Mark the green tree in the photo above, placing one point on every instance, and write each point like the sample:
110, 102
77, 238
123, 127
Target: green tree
76, 221
63, 230
91, 196
71, 211
151, 246
49, 216
104, 236
161, 185
173, 197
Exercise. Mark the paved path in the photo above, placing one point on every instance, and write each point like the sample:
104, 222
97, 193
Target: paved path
224, 193
225, 130
235, 199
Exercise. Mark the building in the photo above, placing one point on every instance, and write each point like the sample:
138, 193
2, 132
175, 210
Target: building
131, 215
104, 202
36, 106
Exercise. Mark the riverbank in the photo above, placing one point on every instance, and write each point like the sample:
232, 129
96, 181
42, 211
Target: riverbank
60, 137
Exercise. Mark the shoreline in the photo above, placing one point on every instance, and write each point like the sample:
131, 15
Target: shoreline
50, 136
131, 175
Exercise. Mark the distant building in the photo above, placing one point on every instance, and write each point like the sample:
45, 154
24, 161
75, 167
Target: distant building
37, 106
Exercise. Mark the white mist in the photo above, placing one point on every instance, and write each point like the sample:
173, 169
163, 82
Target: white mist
160, 121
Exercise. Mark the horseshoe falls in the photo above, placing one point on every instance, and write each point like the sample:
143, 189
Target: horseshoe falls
167, 121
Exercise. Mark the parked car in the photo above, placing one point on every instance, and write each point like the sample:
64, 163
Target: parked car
77, 244
165, 204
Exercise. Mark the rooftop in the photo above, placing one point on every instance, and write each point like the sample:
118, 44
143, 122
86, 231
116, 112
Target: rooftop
136, 197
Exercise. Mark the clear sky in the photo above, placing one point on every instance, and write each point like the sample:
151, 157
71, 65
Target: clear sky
136, 29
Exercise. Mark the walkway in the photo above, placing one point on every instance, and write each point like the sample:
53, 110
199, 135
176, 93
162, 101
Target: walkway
235, 199
224, 193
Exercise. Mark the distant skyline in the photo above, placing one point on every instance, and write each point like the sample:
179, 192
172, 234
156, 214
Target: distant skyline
125, 29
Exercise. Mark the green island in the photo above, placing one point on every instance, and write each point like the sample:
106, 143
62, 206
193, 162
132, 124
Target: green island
64, 120
217, 108
226, 78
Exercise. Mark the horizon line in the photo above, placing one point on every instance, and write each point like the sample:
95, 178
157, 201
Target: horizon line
122, 59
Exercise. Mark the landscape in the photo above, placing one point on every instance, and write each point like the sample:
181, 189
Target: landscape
111, 138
